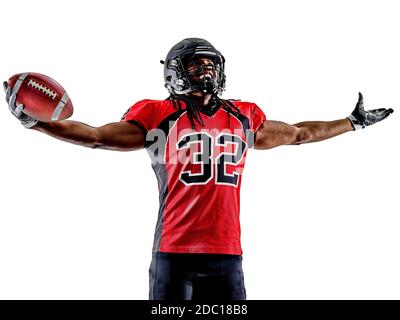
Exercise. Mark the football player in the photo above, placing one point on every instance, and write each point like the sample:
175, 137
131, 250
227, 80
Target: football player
197, 142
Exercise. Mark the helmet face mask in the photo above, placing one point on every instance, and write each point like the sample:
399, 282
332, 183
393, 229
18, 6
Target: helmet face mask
203, 73
185, 69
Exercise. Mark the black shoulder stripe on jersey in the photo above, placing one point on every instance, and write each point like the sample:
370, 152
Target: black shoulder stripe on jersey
246, 129
248, 133
164, 124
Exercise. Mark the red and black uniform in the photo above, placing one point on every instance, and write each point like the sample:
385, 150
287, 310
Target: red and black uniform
199, 173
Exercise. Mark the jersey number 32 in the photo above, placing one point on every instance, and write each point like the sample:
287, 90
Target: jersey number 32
206, 160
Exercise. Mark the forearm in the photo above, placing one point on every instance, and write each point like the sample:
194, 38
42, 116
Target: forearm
313, 131
71, 131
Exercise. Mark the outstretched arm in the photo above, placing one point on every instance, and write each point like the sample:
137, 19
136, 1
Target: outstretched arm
275, 133
121, 136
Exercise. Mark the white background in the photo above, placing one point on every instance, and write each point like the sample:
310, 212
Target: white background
319, 221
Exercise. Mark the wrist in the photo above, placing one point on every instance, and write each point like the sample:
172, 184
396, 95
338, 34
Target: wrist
355, 123
351, 124
30, 123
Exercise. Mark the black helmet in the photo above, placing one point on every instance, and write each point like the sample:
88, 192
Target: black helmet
175, 75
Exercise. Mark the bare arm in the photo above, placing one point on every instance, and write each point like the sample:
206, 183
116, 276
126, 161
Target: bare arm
121, 136
275, 133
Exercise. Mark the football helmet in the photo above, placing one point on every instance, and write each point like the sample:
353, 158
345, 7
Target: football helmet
176, 76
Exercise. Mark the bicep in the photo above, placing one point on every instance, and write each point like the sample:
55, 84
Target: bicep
121, 136
272, 134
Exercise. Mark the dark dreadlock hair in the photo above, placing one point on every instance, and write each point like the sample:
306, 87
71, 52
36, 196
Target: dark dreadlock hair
193, 111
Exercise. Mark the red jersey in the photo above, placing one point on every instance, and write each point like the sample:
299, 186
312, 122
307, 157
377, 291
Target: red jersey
199, 173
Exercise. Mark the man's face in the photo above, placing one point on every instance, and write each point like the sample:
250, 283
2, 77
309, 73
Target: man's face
201, 67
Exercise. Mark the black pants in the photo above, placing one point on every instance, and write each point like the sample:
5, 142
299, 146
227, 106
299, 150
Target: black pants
178, 276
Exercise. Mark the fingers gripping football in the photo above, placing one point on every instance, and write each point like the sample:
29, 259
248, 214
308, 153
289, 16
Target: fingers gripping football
361, 118
17, 109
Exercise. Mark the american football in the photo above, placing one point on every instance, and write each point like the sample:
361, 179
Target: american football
43, 98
